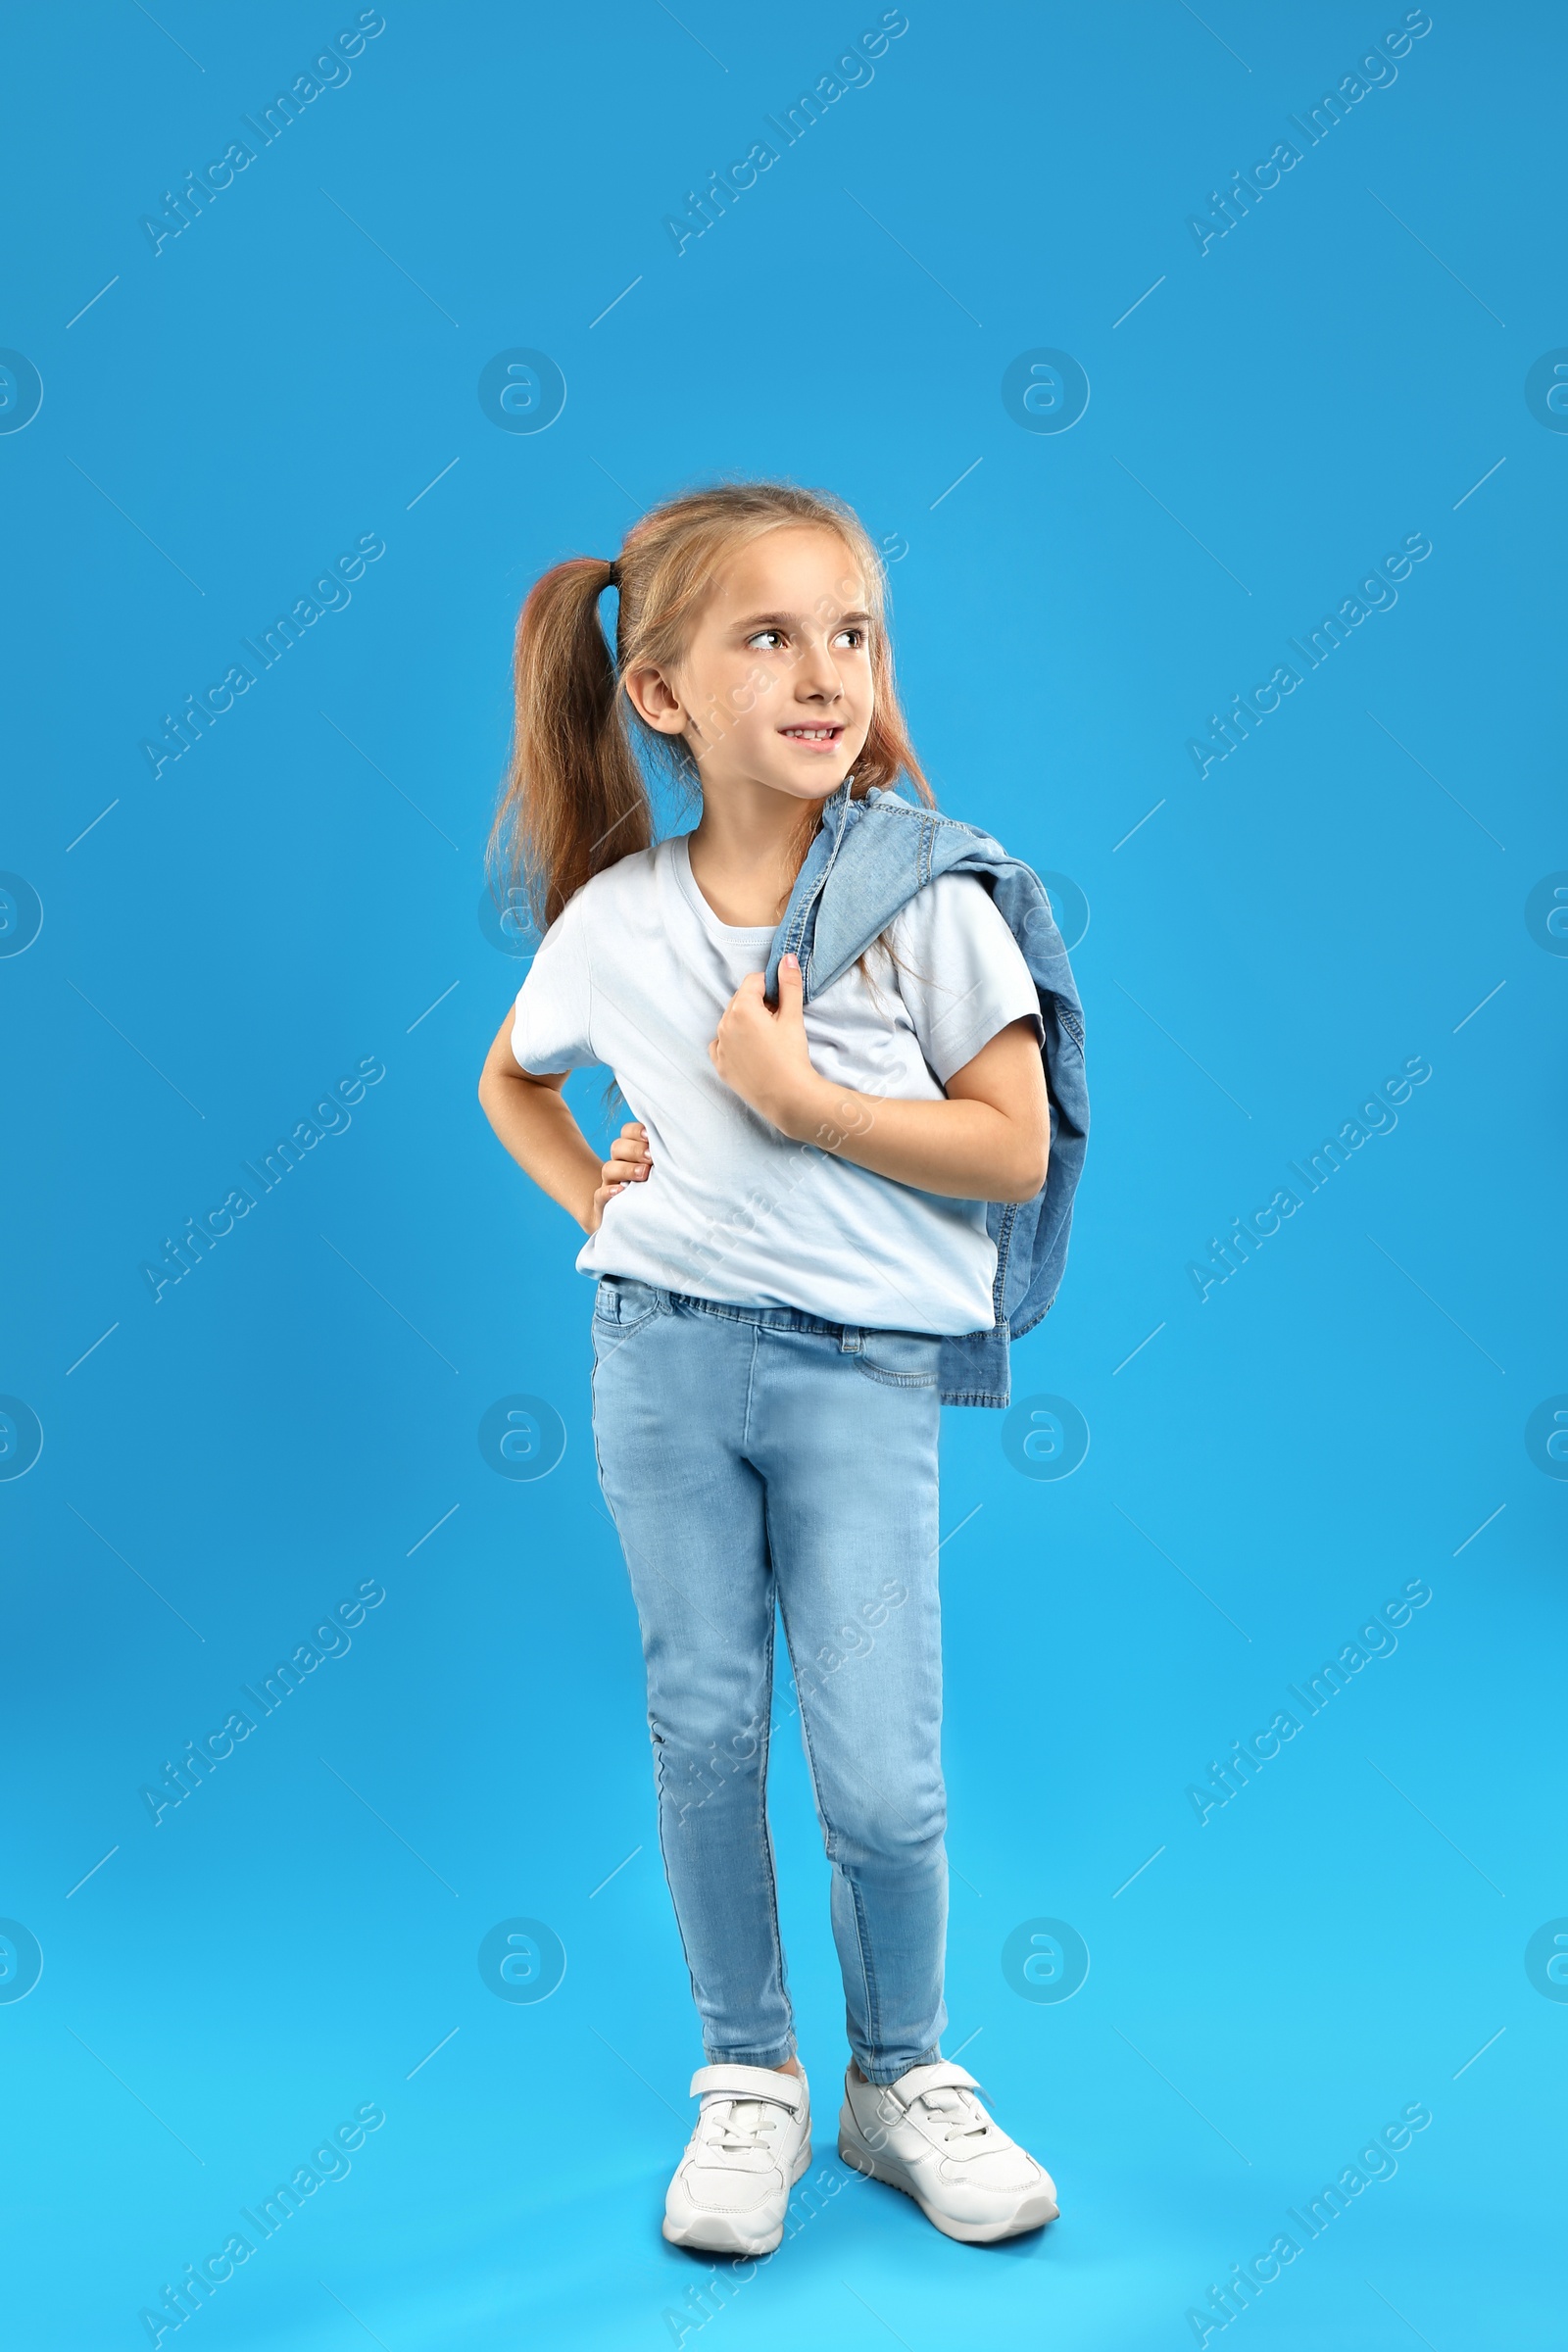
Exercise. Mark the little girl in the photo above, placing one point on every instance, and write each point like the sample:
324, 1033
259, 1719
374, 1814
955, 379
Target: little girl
787, 1238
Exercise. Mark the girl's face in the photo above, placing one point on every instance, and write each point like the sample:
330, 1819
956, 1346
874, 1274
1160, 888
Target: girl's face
775, 688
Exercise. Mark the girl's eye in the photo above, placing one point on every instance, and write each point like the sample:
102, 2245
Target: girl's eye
851, 637
769, 638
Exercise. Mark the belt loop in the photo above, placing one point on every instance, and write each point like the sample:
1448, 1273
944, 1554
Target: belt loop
851, 1340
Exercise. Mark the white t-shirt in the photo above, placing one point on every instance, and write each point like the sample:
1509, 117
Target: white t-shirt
636, 972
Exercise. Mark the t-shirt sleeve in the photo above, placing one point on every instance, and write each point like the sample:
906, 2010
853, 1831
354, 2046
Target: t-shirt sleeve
960, 973
550, 1026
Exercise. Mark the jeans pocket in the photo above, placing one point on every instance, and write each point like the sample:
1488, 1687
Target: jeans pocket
900, 1359
622, 1305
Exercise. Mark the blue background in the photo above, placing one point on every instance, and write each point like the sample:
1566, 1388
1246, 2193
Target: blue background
299, 892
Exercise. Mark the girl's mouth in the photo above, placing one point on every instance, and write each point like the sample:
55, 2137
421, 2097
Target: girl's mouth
816, 739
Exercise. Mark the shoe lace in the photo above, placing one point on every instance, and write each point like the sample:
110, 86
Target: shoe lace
956, 2114
739, 2125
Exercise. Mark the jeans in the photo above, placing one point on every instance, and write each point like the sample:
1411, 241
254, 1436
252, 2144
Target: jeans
754, 1457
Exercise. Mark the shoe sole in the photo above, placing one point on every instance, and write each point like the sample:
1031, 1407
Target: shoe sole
1032, 2214
711, 2236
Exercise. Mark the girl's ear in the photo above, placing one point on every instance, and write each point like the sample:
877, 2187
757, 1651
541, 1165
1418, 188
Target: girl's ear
655, 701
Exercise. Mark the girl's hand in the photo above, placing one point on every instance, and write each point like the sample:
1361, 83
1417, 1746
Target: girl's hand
628, 1163
763, 1058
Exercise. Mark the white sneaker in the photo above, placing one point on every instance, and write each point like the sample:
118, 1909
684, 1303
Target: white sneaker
928, 2135
751, 2143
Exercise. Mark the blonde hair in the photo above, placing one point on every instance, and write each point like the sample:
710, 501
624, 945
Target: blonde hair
574, 799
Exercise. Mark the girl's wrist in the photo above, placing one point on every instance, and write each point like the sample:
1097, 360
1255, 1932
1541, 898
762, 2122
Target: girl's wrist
820, 1112
581, 1209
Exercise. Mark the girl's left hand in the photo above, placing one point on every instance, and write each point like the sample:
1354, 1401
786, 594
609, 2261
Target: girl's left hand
763, 1056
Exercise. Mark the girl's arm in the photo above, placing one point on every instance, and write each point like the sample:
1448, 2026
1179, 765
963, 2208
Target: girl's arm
531, 1118
990, 1139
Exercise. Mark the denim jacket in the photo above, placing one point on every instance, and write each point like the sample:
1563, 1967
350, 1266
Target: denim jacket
871, 856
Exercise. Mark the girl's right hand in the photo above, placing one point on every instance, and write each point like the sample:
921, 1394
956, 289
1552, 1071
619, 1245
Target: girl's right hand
628, 1163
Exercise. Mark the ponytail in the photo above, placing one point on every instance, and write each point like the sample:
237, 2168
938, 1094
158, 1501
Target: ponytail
574, 797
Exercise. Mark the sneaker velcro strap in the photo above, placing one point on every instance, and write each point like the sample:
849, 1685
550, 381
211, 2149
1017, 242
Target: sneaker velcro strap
944, 2074
749, 2083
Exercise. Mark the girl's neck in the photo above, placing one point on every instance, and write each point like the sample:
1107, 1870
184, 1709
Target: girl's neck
746, 851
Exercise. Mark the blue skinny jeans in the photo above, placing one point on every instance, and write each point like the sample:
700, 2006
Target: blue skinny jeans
753, 1457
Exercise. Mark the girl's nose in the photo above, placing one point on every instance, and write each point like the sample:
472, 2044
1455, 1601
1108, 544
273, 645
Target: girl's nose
818, 674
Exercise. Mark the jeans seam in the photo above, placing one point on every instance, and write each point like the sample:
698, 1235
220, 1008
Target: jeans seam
830, 1839
624, 1331
863, 1939
765, 1840
745, 1439
659, 1794
660, 1785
